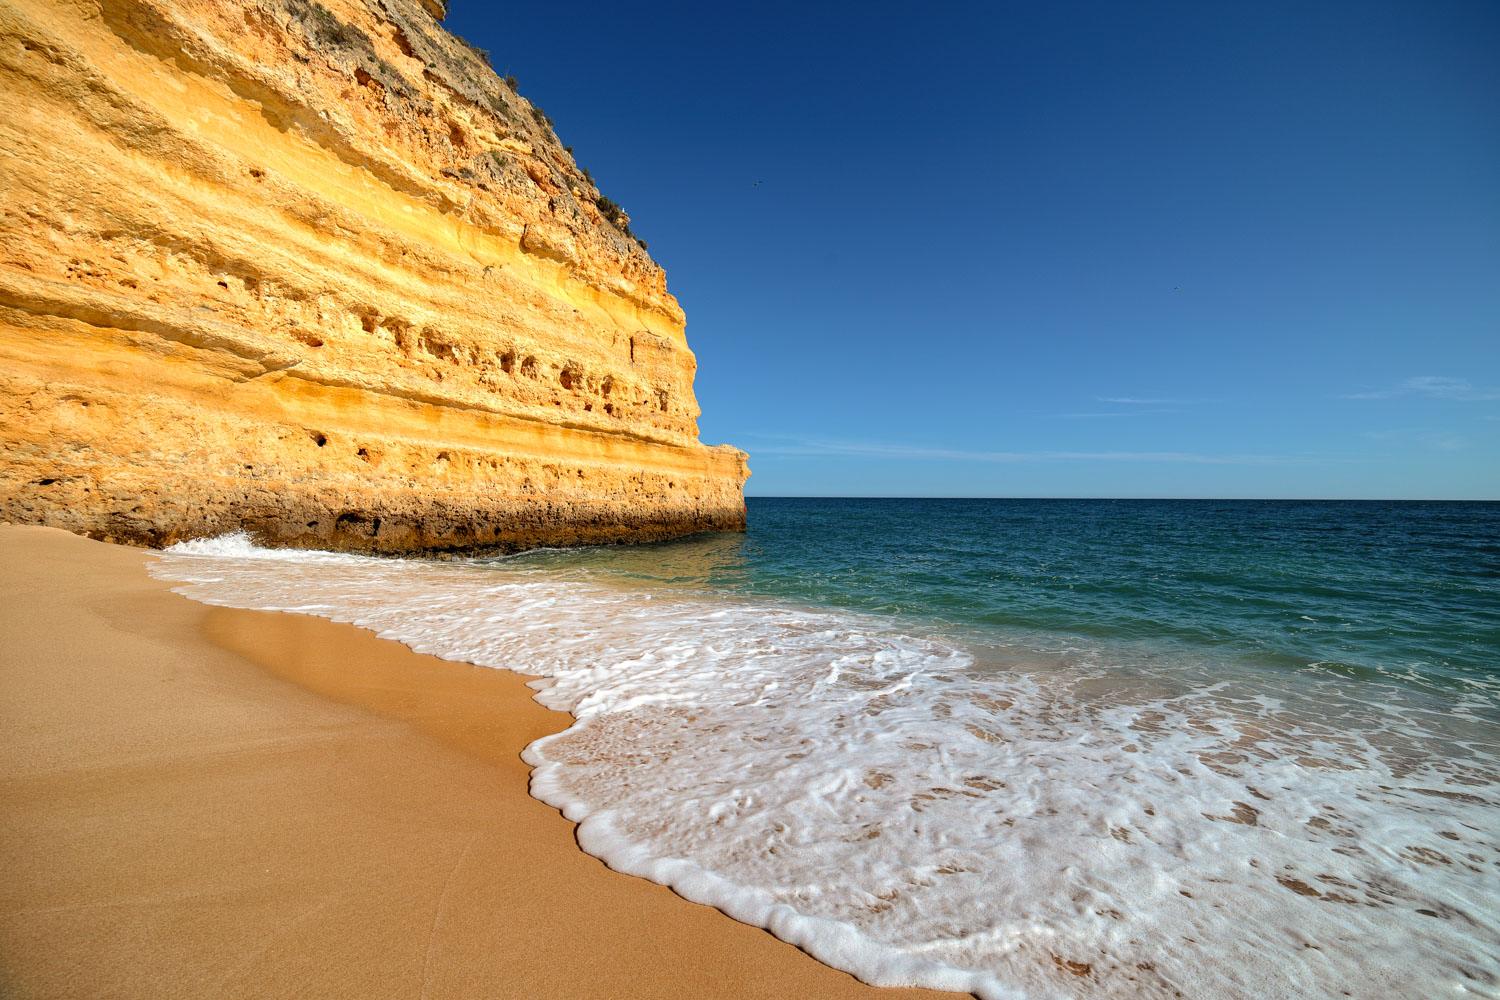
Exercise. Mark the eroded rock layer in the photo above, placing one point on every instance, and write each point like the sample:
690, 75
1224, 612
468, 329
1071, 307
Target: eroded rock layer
312, 270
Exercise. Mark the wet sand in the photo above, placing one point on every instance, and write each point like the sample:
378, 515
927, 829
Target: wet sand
202, 802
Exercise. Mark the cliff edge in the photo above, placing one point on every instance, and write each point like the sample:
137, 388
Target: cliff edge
312, 270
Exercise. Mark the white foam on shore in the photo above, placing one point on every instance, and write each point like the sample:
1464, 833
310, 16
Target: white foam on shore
239, 545
918, 813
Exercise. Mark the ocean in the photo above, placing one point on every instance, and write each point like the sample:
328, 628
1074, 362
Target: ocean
1021, 748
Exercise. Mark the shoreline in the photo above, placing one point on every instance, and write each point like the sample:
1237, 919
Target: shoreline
206, 801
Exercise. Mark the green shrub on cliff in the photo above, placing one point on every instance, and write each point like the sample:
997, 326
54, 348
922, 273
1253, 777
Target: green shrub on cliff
612, 211
616, 215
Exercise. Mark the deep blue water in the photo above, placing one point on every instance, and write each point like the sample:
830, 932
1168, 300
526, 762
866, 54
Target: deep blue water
1402, 588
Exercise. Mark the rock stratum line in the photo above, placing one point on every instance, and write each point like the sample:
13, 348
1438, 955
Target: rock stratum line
312, 270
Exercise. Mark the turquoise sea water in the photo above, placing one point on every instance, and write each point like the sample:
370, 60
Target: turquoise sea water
1406, 591
1024, 748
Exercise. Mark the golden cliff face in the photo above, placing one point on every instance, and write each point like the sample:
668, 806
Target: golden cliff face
311, 269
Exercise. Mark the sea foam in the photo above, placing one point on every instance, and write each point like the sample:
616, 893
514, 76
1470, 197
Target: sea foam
920, 809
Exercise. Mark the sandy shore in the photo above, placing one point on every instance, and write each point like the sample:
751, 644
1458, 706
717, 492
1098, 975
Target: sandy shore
202, 802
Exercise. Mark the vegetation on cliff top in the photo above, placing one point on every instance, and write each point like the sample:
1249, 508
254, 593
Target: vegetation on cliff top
328, 31
608, 207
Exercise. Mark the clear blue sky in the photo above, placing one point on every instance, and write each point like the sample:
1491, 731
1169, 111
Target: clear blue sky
1092, 249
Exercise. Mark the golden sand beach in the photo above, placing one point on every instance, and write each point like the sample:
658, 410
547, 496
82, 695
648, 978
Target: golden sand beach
203, 802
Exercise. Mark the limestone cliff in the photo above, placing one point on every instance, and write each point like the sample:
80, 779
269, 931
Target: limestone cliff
311, 269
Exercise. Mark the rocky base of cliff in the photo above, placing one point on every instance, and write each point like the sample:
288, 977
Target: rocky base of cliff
413, 522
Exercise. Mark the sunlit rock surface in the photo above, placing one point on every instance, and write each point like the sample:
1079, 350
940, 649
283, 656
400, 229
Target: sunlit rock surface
313, 270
